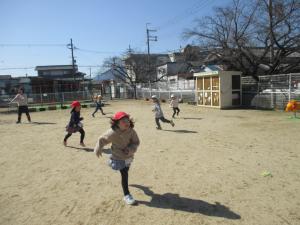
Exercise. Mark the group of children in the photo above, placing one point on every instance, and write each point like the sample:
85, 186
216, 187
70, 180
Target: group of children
121, 135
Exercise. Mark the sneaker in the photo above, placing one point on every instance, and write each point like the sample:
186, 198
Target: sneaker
65, 143
103, 114
158, 128
172, 123
93, 115
129, 199
82, 144
18, 122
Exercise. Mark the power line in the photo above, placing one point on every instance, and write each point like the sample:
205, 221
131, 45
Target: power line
33, 45
17, 68
95, 51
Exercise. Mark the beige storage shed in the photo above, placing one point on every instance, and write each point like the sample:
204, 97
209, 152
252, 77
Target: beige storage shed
218, 89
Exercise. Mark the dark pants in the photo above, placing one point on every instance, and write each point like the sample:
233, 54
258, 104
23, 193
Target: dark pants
175, 110
163, 119
124, 175
98, 107
82, 134
23, 109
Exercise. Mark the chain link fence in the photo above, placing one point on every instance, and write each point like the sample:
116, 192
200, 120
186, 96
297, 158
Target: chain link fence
271, 91
48, 98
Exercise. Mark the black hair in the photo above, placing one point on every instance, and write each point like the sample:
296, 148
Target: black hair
115, 123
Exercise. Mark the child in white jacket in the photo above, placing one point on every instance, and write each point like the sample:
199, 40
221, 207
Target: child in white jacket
174, 104
159, 113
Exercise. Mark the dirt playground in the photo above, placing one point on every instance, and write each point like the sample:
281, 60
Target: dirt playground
214, 167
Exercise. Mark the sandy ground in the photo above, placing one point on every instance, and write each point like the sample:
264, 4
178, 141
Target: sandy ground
206, 170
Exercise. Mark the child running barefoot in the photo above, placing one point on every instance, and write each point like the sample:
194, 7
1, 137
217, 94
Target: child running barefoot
98, 105
159, 113
174, 104
124, 143
75, 124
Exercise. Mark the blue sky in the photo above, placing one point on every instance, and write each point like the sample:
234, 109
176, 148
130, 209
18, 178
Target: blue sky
36, 32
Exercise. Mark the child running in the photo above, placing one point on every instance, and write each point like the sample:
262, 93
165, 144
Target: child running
21, 100
75, 124
124, 143
99, 105
174, 105
159, 113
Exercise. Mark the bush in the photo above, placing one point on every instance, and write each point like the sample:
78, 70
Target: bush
84, 106
32, 109
64, 107
146, 99
163, 100
42, 109
53, 107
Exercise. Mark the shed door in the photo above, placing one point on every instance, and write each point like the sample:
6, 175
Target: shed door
236, 90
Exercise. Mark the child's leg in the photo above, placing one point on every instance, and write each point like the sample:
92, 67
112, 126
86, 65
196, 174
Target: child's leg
95, 111
19, 115
163, 119
67, 136
174, 112
82, 134
124, 174
102, 111
157, 122
178, 110
27, 114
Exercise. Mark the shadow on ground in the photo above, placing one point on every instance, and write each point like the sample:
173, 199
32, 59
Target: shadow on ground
42, 123
191, 118
82, 148
174, 201
181, 131
105, 151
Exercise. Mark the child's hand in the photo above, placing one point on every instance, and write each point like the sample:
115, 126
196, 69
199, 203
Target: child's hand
98, 153
126, 151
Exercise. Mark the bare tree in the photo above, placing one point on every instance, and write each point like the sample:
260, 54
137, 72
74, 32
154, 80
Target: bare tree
248, 34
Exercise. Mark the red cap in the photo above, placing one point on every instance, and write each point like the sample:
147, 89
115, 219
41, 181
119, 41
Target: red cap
120, 115
75, 103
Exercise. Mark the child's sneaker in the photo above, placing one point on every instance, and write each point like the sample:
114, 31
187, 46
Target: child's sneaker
65, 143
82, 144
172, 123
158, 128
129, 199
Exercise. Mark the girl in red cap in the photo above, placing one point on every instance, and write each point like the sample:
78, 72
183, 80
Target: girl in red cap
75, 124
124, 142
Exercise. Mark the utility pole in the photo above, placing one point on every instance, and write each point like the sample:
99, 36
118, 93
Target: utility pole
270, 8
149, 38
71, 47
129, 50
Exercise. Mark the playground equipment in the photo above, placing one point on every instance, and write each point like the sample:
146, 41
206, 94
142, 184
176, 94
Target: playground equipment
293, 106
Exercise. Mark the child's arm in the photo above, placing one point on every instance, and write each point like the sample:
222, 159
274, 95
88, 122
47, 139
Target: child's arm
134, 143
15, 98
102, 141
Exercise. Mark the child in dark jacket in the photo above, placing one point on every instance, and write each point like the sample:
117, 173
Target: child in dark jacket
75, 125
99, 105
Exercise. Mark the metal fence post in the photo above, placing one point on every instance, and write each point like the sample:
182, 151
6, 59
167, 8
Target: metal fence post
290, 85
